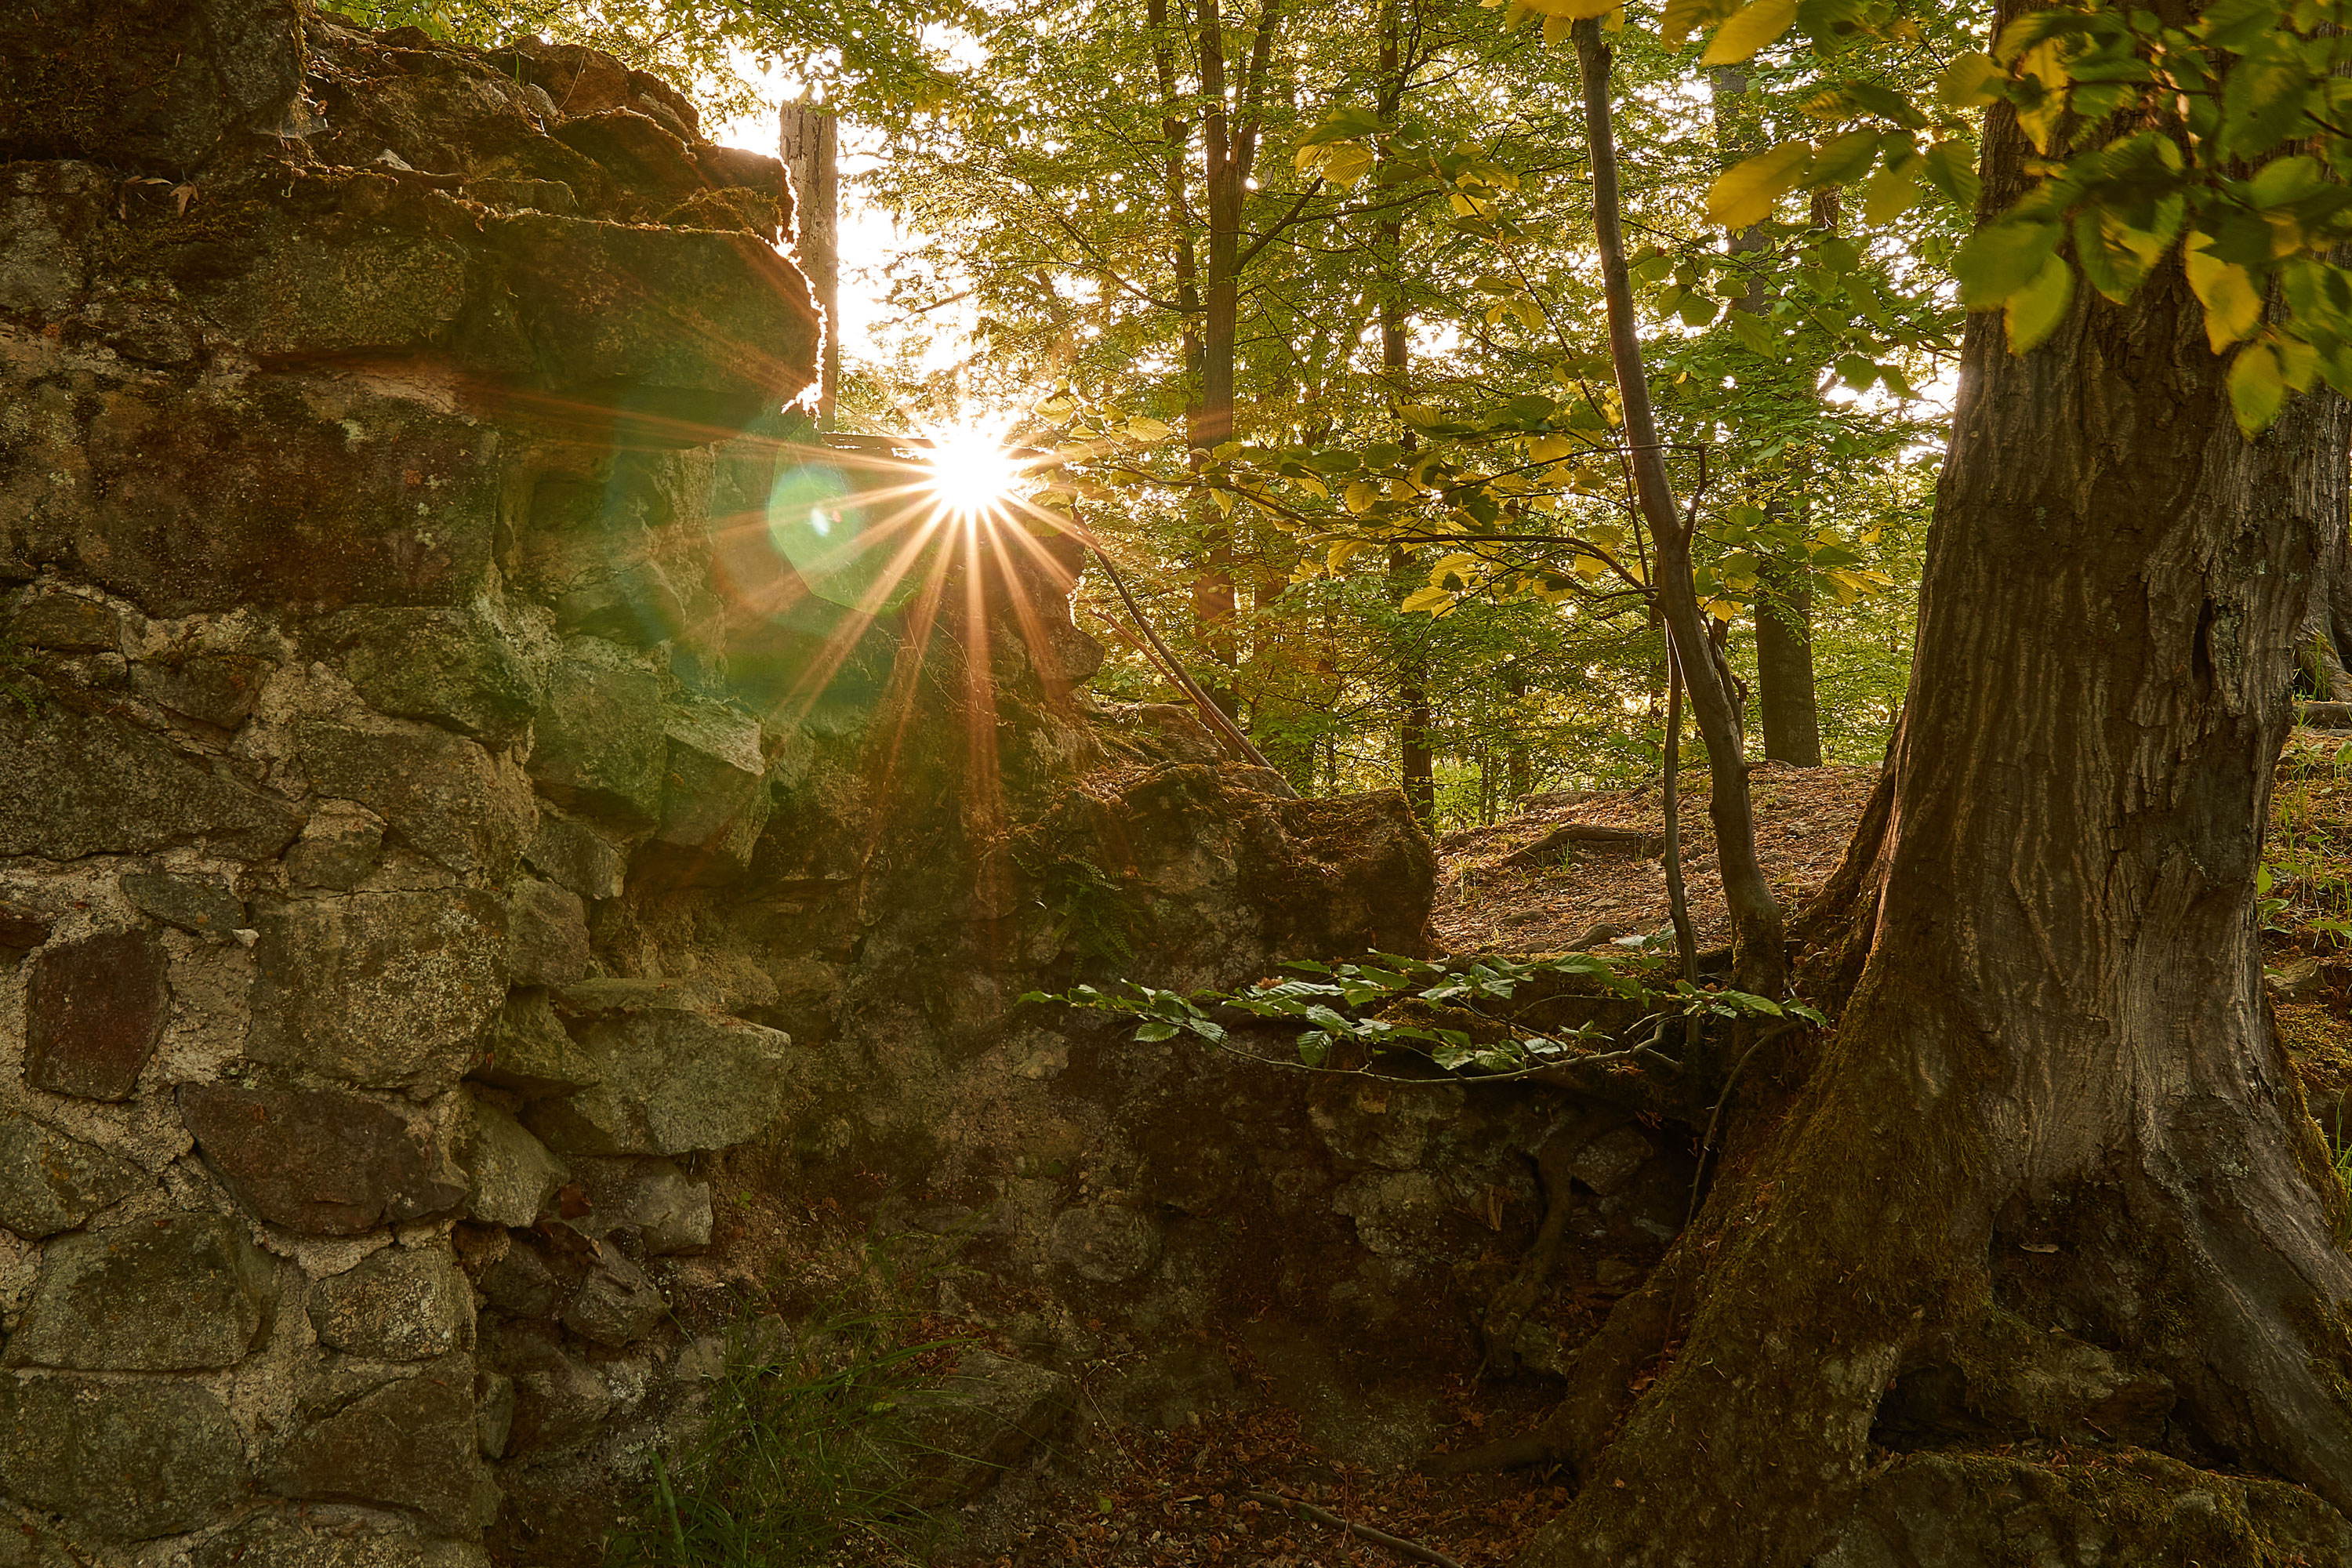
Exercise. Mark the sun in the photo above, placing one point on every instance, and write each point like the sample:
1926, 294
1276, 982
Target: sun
973, 475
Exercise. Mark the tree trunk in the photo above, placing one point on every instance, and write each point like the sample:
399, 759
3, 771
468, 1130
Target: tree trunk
1785, 698
2055, 1098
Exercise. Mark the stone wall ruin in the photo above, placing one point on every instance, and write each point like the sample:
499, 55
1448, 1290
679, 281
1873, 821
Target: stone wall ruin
457, 891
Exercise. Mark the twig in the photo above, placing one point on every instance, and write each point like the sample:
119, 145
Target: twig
1396, 1543
1730, 1080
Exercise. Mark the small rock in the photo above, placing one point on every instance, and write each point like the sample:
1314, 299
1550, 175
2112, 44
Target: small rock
598, 741
219, 689
200, 901
442, 796
512, 1175
1608, 1161
301, 1538
494, 1408
340, 847
400, 1303
2297, 980
667, 1210
981, 1420
326, 1161
670, 1083
67, 623
531, 1054
94, 1010
1107, 1243
560, 1400
581, 857
182, 1294
21, 929
50, 1182
547, 934
615, 1305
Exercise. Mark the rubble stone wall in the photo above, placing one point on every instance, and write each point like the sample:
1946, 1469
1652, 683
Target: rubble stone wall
463, 903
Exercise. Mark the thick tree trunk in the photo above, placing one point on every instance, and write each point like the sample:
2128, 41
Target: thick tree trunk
2055, 1094
1785, 698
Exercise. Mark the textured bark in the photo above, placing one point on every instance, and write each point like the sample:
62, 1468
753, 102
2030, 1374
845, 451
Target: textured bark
1785, 698
2059, 1039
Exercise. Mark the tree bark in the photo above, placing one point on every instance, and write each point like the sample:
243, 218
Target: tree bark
2055, 1093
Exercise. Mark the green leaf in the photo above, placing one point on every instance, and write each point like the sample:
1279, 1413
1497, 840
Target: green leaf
2035, 310
2233, 308
1843, 158
1951, 168
1891, 191
1153, 1033
1971, 81
1756, 24
2267, 93
1744, 196
2002, 258
1751, 330
2257, 388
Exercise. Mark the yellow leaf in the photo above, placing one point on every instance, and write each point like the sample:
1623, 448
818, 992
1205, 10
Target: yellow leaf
1558, 30
1313, 486
2257, 388
1743, 198
1436, 601
1341, 554
1890, 192
1757, 25
1530, 314
1574, 10
2035, 310
1682, 17
1457, 564
1971, 81
1360, 497
2232, 308
1147, 429
1549, 449
1345, 162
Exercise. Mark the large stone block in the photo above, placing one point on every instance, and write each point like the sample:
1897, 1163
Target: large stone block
449, 666
531, 1054
48, 213
380, 989
153, 83
325, 1161
400, 1303
578, 855
311, 287
303, 1538
198, 902
599, 746
94, 1010
410, 1445
547, 934
266, 490
671, 1082
715, 799
89, 783
441, 795
131, 1460
50, 1182
183, 1294
512, 1173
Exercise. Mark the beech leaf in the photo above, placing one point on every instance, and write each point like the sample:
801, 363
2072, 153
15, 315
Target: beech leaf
1744, 196
1756, 26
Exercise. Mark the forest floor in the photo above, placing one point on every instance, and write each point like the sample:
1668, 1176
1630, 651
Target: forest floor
1196, 1497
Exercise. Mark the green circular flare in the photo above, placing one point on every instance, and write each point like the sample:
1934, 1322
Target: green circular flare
846, 553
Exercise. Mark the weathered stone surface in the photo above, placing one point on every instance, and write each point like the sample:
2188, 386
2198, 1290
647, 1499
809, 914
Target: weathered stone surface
531, 1054
158, 84
580, 857
335, 1163
616, 1304
338, 848
547, 934
215, 688
379, 989
132, 1460
511, 1172
399, 1303
520, 1281
581, 80
89, 784
206, 496
599, 746
311, 1538
560, 1399
1107, 1243
670, 1083
411, 1444
667, 1210
21, 929
93, 1011
494, 1408
47, 215
441, 795
980, 1421
66, 623
50, 1182
198, 902
716, 802
27, 1546
179, 1295
317, 288
449, 666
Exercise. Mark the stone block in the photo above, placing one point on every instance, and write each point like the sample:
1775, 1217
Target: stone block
91, 783
309, 289
978, 1421
512, 1175
340, 846
667, 1210
1107, 1243
198, 902
715, 799
183, 1294
547, 934
616, 1304
447, 667
186, 497
494, 1408
21, 929
441, 795
577, 855
322, 1161
521, 1282
670, 1083
50, 1182
598, 744
130, 1460
49, 215
66, 623
308, 1538
399, 1303
379, 989
215, 688
531, 1054
94, 1010
410, 1445
561, 1401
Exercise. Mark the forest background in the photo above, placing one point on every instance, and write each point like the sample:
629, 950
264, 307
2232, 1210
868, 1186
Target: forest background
1308, 298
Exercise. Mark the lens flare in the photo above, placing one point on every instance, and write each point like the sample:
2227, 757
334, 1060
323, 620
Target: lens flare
972, 476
